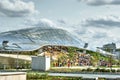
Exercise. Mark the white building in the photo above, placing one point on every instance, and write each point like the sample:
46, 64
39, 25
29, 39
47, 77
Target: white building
118, 55
41, 63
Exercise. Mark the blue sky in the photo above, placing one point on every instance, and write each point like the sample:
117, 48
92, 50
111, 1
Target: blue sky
94, 21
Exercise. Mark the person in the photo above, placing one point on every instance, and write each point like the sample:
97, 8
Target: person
71, 63
68, 63
58, 62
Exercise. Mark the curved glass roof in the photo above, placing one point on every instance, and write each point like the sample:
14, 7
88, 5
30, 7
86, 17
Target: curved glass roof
34, 38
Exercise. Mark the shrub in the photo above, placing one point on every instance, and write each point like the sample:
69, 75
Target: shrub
36, 75
83, 70
89, 69
113, 70
97, 70
101, 79
118, 70
64, 78
104, 70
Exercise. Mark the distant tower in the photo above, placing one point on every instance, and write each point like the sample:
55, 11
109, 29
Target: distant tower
85, 46
5, 44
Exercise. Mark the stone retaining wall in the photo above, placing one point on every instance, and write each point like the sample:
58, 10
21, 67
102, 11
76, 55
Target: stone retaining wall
12, 76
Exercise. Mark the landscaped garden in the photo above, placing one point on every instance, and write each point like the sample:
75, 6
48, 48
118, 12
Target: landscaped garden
45, 76
63, 59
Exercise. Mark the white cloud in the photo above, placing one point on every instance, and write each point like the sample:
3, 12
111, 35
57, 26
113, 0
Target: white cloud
16, 8
95, 36
43, 22
101, 2
99, 31
103, 22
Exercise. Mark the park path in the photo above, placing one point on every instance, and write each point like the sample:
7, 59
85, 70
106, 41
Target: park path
23, 57
87, 75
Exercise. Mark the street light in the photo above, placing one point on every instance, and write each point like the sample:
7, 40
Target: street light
17, 62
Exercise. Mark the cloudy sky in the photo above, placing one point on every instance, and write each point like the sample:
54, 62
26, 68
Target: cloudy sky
96, 22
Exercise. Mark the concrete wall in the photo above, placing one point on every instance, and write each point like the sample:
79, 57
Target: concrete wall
40, 63
12, 76
47, 63
118, 55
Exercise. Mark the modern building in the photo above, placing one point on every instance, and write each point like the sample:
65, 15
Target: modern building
33, 38
117, 54
109, 47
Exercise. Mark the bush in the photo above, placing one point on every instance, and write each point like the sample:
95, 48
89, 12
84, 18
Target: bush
118, 70
104, 70
89, 70
64, 78
65, 70
101, 70
101, 79
113, 70
39, 76
97, 70
36, 75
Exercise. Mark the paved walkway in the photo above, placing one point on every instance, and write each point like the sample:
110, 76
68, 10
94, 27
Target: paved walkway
24, 57
90, 76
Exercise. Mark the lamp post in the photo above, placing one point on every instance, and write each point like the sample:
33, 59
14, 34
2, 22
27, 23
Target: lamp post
110, 62
17, 62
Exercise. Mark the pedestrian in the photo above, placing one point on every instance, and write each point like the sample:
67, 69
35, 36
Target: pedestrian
68, 63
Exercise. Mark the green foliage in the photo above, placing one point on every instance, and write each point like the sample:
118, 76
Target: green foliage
97, 55
64, 78
40, 76
118, 70
69, 70
1, 66
71, 51
25, 64
36, 75
90, 70
102, 70
64, 70
102, 79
